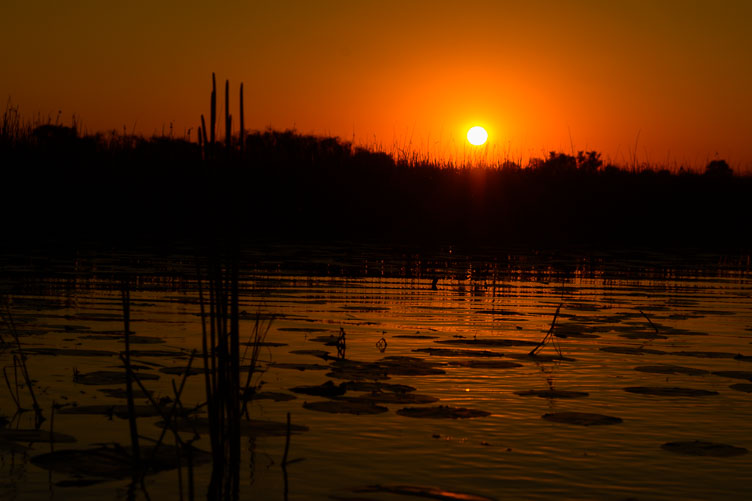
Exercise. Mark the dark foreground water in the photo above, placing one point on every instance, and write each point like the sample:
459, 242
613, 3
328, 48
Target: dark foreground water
661, 344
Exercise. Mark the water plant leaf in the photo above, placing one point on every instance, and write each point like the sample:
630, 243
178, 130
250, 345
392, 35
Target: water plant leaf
377, 386
121, 393
488, 342
745, 387
666, 391
113, 461
702, 448
409, 366
630, 350
120, 411
253, 428
270, 395
704, 354
423, 492
447, 352
671, 369
32, 435
442, 412
71, 352
485, 364
350, 406
582, 418
552, 393
734, 374
328, 389
107, 377
322, 354
179, 371
389, 397
299, 367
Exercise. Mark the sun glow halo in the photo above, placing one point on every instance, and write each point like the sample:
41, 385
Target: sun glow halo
477, 135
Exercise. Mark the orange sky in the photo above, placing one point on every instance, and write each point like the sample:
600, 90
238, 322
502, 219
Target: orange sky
407, 74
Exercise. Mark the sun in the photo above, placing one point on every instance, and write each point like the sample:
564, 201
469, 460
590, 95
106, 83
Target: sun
477, 135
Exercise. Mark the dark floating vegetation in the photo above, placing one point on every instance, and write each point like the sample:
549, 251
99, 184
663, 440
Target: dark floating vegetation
630, 350
702, 448
552, 393
666, 391
327, 389
342, 406
420, 491
442, 412
97, 378
489, 343
448, 352
116, 462
485, 364
581, 418
734, 374
745, 387
671, 369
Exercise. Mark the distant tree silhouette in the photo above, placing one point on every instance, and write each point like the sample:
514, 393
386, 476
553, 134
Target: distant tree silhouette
589, 161
718, 168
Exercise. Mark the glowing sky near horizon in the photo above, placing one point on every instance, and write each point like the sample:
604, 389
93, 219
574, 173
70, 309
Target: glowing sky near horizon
668, 80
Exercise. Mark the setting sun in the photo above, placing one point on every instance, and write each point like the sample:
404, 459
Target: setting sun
477, 135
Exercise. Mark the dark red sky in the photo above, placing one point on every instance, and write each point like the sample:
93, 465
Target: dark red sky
672, 77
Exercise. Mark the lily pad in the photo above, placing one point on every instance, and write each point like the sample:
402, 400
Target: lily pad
671, 369
328, 389
68, 352
442, 412
704, 354
447, 352
581, 418
486, 364
630, 350
423, 492
322, 354
666, 391
107, 377
564, 334
540, 357
745, 387
120, 411
121, 393
409, 366
254, 427
702, 448
113, 462
734, 374
371, 386
270, 395
642, 335
299, 367
330, 340
552, 393
179, 371
157, 353
354, 406
489, 342
303, 329
388, 397
33, 436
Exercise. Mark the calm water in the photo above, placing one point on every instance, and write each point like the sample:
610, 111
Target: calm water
513, 453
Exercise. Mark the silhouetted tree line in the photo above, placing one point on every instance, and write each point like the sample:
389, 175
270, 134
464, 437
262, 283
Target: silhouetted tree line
284, 185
